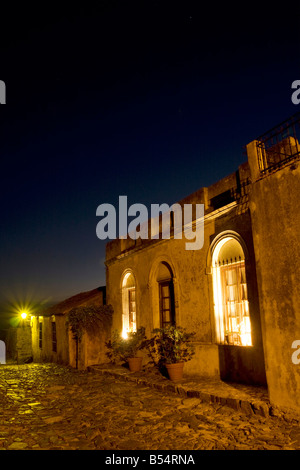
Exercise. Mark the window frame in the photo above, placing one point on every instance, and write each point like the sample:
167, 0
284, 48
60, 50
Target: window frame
54, 336
234, 305
234, 255
129, 316
161, 284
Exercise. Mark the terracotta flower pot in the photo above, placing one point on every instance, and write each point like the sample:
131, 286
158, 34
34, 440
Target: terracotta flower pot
135, 364
175, 371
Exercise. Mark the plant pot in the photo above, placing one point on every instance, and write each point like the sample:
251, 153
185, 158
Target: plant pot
135, 364
175, 371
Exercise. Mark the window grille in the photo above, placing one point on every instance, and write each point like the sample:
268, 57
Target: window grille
236, 320
132, 309
128, 305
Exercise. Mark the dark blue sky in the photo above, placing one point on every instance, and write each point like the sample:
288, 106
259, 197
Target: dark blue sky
149, 99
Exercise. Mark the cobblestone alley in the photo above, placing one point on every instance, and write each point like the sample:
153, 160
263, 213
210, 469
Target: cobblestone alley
47, 406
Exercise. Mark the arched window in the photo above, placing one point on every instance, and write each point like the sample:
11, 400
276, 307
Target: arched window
128, 304
166, 295
230, 293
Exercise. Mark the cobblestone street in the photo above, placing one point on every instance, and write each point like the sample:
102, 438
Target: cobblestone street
47, 406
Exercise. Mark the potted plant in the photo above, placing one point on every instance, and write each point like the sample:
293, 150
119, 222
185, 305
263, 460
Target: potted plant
126, 349
171, 347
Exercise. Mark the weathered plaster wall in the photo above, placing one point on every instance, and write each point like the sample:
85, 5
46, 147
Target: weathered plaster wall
193, 289
91, 348
191, 292
18, 343
274, 205
46, 353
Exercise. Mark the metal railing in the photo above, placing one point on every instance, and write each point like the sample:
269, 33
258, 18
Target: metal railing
279, 146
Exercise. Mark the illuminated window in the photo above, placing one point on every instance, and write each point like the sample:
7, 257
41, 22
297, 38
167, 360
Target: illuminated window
128, 304
166, 295
230, 294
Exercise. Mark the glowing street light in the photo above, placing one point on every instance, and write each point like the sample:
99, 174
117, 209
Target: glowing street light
24, 315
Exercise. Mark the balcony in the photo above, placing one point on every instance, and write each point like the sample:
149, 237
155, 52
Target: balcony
279, 146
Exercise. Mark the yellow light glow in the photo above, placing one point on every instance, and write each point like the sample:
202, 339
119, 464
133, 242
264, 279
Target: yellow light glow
245, 332
124, 334
23, 315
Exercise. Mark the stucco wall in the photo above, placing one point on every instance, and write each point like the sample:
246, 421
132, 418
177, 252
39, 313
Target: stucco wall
18, 343
274, 204
193, 289
46, 353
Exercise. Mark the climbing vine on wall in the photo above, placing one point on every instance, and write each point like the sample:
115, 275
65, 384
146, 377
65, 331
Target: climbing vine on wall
89, 319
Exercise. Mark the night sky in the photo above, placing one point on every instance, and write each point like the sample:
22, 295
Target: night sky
149, 99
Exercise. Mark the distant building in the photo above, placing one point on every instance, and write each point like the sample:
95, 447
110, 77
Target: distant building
240, 293
53, 340
18, 343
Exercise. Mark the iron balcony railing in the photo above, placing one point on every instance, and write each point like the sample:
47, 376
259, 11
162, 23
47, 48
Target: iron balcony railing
279, 146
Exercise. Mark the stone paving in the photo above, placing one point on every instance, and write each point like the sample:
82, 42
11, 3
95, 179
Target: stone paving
48, 406
245, 398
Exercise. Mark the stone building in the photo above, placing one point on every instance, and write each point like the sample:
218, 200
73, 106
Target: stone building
18, 343
240, 291
53, 340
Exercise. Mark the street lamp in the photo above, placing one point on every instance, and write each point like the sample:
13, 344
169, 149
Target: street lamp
24, 315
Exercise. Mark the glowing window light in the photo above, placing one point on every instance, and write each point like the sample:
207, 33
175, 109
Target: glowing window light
230, 296
128, 304
124, 334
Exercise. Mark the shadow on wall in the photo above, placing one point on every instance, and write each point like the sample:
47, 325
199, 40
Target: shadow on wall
242, 365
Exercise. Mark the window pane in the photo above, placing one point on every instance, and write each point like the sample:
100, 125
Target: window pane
167, 316
128, 306
237, 328
132, 310
165, 291
166, 303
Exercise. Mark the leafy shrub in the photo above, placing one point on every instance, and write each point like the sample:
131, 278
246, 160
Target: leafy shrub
89, 319
170, 345
120, 349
